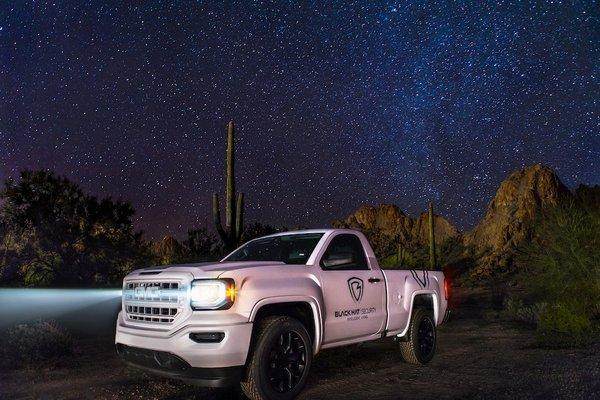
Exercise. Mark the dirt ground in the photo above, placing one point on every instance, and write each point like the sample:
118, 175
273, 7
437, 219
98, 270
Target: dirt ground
477, 358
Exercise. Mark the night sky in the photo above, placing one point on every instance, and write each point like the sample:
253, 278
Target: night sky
337, 104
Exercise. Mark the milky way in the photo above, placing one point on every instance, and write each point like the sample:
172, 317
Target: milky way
336, 105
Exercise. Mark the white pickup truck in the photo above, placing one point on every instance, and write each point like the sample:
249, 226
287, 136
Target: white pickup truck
260, 315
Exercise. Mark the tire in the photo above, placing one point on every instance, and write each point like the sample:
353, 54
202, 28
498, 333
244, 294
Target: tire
420, 345
279, 361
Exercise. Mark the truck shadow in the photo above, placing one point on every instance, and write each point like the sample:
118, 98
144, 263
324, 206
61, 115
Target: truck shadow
329, 365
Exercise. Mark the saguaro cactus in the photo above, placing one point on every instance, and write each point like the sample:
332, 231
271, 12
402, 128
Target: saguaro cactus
400, 255
432, 261
234, 213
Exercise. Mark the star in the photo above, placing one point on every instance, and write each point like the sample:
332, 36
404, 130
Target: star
336, 105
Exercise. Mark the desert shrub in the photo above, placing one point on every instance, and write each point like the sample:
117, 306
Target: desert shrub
561, 267
401, 260
36, 344
256, 229
564, 324
202, 245
516, 310
54, 234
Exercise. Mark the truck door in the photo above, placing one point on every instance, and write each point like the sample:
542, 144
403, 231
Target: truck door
354, 294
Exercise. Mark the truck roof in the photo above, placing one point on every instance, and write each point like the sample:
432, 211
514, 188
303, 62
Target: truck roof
300, 231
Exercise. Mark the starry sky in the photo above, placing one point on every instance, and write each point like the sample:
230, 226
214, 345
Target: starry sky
337, 104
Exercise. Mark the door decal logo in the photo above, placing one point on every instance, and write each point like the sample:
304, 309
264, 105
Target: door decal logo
356, 288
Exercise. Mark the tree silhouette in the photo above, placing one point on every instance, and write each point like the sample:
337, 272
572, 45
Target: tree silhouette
54, 234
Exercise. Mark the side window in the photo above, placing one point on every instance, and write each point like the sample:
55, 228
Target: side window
345, 252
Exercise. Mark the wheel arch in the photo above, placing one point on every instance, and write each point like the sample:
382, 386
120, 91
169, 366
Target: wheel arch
422, 299
305, 309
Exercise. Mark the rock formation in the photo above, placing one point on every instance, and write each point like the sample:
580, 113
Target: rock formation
387, 226
167, 251
510, 216
443, 229
491, 245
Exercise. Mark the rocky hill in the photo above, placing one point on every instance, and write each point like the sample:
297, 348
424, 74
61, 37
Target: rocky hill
387, 226
491, 245
510, 216
443, 229
167, 250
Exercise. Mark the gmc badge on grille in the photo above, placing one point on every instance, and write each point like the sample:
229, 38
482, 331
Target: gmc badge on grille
147, 292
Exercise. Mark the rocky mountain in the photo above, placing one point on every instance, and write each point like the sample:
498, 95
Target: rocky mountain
387, 226
443, 229
510, 216
385, 218
491, 245
166, 250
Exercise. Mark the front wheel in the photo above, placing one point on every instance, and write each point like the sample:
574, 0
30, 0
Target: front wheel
279, 361
421, 343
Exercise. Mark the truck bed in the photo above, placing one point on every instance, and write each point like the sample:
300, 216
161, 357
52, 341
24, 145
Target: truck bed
403, 286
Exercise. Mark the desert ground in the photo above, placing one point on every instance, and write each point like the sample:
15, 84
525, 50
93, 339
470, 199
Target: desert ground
479, 357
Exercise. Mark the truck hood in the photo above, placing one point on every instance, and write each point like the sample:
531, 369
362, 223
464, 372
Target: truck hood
201, 270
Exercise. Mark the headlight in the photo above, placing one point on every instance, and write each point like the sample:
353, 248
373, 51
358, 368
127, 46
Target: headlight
212, 294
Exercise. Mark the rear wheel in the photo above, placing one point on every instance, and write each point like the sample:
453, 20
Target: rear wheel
420, 345
279, 362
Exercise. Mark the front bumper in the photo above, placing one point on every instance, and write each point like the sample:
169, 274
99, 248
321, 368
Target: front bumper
171, 366
230, 352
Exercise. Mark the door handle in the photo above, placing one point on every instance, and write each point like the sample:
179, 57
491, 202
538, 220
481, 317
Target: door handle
373, 280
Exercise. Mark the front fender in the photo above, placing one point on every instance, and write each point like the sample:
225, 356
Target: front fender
312, 302
276, 284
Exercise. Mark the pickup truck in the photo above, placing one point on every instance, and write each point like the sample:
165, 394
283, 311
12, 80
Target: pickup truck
259, 316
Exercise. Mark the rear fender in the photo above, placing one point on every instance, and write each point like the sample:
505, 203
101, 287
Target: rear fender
416, 293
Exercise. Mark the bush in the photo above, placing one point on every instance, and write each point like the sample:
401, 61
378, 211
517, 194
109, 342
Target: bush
561, 268
517, 310
564, 324
36, 344
54, 234
401, 260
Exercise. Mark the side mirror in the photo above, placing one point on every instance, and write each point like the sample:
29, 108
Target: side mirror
336, 260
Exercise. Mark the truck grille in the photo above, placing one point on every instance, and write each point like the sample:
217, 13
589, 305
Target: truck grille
153, 302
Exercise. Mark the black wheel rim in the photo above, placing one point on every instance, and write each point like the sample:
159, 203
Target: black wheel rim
286, 361
426, 336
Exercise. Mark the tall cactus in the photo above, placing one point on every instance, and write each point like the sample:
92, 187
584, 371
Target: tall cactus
234, 213
432, 261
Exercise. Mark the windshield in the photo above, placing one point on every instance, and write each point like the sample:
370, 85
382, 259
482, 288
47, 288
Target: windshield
290, 249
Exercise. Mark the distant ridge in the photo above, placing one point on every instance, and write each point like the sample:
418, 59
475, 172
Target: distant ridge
510, 216
507, 224
387, 227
